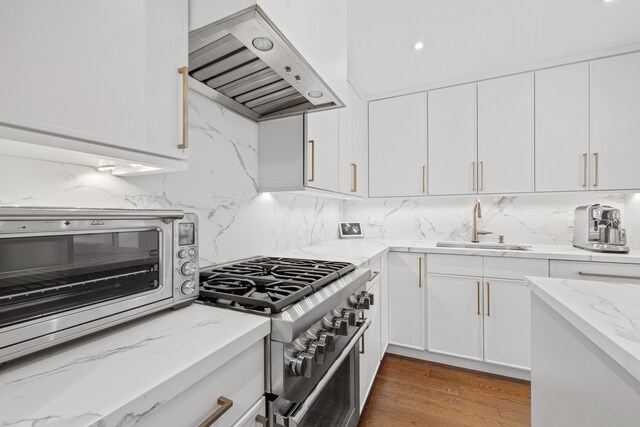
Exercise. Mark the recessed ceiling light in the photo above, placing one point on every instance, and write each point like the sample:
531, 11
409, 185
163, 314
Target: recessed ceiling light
315, 94
262, 43
418, 46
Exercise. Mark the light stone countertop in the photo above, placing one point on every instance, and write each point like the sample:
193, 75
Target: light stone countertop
113, 377
608, 314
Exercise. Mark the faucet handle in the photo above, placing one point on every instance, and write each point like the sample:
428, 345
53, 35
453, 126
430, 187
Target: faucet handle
484, 233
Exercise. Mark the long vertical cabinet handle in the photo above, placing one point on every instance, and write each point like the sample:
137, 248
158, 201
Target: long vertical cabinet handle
354, 187
420, 272
424, 173
473, 176
225, 405
585, 167
488, 299
596, 157
478, 297
313, 160
362, 344
482, 175
185, 107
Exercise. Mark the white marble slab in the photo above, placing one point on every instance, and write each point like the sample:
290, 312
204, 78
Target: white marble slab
360, 251
608, 314
114, 377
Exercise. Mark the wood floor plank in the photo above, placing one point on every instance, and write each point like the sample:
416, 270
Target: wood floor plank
410, 392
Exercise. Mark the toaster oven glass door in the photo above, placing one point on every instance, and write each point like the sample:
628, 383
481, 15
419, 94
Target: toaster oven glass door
45, 275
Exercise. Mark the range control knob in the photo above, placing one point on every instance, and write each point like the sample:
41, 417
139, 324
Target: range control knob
317, 350
350, 316
328, 339
182, 253
188, 268
341, 327
188, 287
303, 365
369, 296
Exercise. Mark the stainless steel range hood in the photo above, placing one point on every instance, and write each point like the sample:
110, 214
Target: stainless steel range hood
244, 63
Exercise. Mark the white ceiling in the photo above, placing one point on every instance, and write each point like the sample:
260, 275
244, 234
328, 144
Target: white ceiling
472, 38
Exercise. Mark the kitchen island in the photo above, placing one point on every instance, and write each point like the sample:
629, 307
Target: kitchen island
585, 353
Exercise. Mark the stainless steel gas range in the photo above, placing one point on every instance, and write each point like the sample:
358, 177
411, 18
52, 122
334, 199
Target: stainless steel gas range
318, 318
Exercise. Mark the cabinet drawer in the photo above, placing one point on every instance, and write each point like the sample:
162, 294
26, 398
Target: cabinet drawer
241, 380
256, 416
458, 265
376, 268
597, 271
515, 268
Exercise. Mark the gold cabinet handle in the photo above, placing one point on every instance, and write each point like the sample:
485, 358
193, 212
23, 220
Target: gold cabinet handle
374, 275
478, 297
313, 160
185, 107
362, 344
354, 186
420, 272
473, 175
424, 173
585, 167
608, 276
225, 405
488, 299
596, 157
261, 419
482, 175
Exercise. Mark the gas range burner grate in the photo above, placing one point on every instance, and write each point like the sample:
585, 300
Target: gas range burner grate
268, 285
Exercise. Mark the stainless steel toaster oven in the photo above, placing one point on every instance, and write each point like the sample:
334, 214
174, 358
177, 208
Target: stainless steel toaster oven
67, 272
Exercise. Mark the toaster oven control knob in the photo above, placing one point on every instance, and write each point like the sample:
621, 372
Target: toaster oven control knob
188, 287
182, 253
192, 251
303, 365
328, 339
317, 350
188, 268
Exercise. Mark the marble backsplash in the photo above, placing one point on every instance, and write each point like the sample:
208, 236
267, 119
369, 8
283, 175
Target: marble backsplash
530, 218
220, 186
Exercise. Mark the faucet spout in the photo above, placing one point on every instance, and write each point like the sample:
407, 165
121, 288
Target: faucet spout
477, 213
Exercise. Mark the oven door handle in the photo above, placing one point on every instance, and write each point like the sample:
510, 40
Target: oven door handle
294, 420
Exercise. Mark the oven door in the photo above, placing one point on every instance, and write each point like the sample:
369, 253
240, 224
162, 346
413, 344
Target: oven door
51, 282
334, 402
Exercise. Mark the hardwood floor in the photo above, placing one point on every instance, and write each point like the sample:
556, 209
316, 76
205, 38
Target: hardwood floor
410, 392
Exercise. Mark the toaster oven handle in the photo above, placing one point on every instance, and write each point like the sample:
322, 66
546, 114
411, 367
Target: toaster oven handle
296, 419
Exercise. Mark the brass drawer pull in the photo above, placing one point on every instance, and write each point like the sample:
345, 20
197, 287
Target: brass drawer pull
609, 276
313, 160
225, 405
420, 272
374, 275
185, 107
354, 187
424, 173
262, 420
596, 157
478, 297
488, 299
362, 344
473, 175
482, 175
585, 167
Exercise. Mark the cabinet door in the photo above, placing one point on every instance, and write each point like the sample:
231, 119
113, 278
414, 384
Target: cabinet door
562, 128
397, 146
370, 347
454, 316
615, 128
452, 140
505, 134
323, 139
105, 74
507, 323
406, 300
353, 158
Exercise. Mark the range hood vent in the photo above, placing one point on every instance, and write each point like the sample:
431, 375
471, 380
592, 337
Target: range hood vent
268, 81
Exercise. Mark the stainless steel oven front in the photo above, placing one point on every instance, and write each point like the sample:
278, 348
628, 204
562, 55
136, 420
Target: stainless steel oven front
67, 272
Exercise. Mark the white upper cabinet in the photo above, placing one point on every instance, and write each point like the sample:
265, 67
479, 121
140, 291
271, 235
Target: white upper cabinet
398, 146
562, 128
615, 123
452, 140
94, 77
353, 141
323, 144
505, 135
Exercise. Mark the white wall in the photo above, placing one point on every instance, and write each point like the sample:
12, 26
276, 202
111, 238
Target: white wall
220, 186
532, 218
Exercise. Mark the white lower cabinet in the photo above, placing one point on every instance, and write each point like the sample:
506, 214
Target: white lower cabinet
384, 306
406, 300
239, 381
454, 319
507, 323
370, 346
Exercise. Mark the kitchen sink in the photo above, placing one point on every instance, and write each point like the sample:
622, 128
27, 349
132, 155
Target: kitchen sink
484, 245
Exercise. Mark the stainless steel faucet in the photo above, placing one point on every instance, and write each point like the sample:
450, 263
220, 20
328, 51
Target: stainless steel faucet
477, 213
